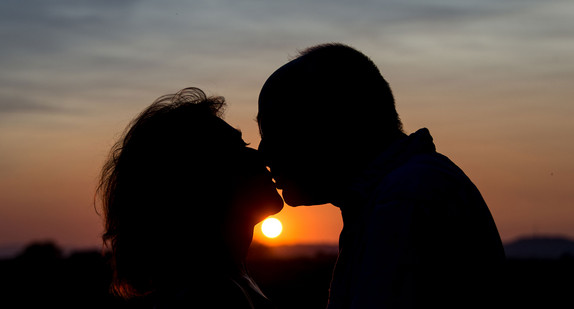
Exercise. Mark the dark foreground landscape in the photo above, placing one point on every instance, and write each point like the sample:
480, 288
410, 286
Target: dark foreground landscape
43, 276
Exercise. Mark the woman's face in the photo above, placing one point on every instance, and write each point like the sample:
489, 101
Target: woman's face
255, 199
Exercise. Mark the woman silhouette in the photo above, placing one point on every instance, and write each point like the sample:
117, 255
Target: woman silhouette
181, 193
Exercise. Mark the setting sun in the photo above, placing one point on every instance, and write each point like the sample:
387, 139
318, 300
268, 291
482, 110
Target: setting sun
271, 227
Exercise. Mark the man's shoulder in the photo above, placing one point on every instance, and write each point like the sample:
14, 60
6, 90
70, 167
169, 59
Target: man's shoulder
426, 167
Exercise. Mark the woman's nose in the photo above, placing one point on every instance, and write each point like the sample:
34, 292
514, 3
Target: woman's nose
263, 151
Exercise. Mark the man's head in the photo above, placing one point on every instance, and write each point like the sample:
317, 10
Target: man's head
323, 116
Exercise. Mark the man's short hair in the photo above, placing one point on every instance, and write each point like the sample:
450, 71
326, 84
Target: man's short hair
333, 83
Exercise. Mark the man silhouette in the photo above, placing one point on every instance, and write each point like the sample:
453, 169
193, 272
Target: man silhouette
417, 233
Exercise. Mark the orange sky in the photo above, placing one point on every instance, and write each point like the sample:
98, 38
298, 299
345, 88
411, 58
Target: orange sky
490, 79
316, 224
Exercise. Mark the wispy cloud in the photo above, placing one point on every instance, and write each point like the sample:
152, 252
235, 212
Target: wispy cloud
22, 104
499, 66
94, 55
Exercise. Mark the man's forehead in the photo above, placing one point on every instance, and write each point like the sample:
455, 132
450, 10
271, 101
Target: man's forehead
292, 76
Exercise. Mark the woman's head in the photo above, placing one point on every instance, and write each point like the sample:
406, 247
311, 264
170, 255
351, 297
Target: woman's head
170, 192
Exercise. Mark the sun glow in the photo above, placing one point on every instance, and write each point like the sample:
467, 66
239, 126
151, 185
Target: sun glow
271, 227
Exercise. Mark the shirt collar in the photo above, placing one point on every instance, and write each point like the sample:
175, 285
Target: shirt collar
394, 156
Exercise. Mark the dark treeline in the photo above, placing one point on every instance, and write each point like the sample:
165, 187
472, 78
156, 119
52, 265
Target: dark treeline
43, 276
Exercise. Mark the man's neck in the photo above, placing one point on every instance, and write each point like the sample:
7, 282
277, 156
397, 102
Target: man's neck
348, 200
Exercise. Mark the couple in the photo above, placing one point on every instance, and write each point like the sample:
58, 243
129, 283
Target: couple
182, 192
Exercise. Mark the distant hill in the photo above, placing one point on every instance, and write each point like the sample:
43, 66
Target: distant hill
293, 251
10, 250
540, 248
306, 250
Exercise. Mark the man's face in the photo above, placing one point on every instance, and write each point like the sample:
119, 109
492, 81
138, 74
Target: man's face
291, 153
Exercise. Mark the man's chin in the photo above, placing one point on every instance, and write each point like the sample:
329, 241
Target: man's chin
295, 198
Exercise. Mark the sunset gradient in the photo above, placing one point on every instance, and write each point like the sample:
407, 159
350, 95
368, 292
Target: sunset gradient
492, 80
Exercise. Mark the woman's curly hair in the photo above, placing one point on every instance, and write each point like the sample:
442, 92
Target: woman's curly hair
164, 178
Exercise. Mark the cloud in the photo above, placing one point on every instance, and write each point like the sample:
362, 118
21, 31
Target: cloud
73, 63
100, 49
23, 104
45, 26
